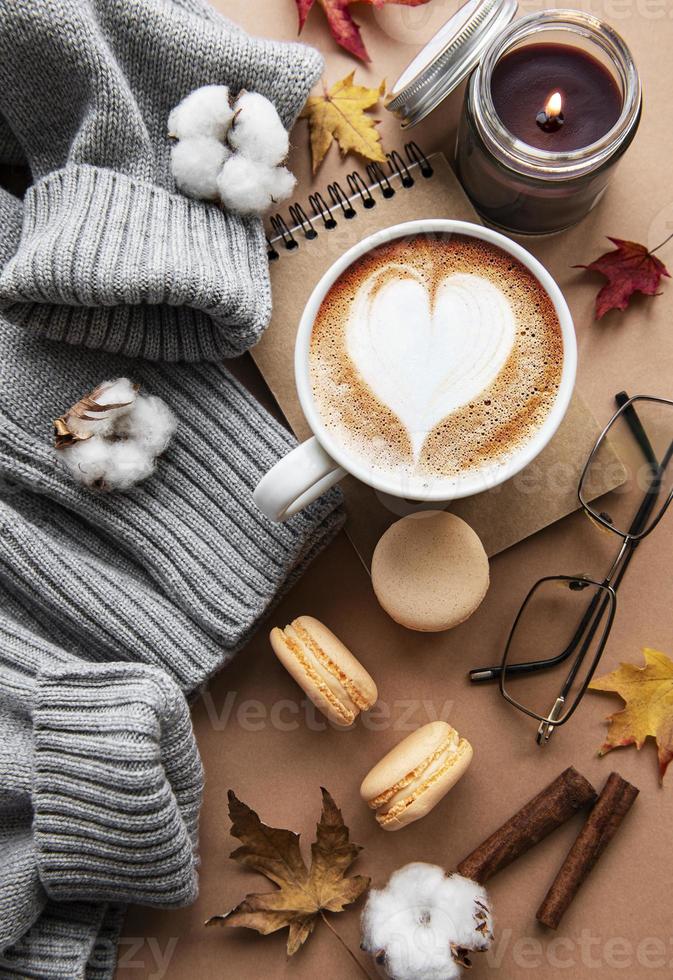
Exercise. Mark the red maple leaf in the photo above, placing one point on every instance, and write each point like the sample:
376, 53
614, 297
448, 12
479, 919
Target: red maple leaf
344, 29
629, 268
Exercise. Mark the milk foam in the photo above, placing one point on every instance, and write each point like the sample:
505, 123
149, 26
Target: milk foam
434, 355
425, 352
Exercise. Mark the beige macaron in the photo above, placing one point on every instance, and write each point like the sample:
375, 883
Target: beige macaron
430, 571
415, 775
333, 679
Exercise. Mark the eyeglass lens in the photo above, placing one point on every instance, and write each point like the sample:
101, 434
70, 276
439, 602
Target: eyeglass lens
640, 443
564, 623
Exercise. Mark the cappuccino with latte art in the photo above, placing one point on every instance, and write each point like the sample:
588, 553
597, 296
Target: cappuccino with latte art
434, 355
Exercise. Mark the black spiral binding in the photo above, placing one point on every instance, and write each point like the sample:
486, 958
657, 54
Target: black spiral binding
321, 209
341, 202
356, 185
281, 229
378, 176
301, 220
339, 199
416, 155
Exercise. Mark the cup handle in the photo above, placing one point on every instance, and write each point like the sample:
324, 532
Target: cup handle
296, 481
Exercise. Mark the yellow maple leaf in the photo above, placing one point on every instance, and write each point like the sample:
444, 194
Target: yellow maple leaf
648, 695
303, 893
340, 114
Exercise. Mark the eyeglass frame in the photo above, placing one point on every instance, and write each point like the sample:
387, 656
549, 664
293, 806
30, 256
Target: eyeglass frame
607, 589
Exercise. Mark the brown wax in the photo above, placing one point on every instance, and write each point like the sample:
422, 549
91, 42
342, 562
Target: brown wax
525, 78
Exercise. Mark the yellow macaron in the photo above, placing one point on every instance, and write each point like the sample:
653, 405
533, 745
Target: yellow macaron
415, 775
334, 680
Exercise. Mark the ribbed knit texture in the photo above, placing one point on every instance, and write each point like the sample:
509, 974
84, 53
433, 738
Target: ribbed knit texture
115, 606
117, 785
131, 265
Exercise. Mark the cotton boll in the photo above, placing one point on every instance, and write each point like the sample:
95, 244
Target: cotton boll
151, 423
108, 465
249, 187
124, 451
423, 923
204, 112
196, 163
257, 131
89, 415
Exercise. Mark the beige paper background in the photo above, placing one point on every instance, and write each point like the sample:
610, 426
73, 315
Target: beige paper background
252, 728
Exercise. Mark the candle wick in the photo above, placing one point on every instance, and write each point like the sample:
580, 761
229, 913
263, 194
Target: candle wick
549, 122
551, 117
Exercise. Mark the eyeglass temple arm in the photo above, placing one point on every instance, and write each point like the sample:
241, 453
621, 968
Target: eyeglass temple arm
636, 427
483, 674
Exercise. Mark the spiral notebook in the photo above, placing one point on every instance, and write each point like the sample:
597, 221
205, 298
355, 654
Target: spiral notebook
302, 246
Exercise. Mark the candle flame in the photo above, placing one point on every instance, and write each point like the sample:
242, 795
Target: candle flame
554, 105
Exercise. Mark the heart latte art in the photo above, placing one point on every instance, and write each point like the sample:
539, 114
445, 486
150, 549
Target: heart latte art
434, 355
425, 352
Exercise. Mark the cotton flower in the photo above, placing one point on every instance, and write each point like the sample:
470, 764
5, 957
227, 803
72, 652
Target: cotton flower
423, 924
249, 187
257, 131
112, 437
196, 163
204, 112
230, 154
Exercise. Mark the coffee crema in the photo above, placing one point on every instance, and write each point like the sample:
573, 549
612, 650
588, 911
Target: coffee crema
434, 355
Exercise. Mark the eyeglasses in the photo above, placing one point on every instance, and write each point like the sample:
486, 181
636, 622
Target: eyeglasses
563, 626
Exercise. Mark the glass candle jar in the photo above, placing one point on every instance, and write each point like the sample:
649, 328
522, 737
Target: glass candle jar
530, 189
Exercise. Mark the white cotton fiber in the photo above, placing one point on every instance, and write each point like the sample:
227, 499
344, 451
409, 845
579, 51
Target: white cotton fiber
248, 187
196, 163
124, 449
204, 112
257, 131
151, 423
415, 925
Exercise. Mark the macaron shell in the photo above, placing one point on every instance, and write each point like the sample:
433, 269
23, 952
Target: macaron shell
430, 571
430, 797
339, 653
404, 758
341, 711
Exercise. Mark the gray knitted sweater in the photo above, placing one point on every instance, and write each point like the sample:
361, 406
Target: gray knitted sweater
113, 607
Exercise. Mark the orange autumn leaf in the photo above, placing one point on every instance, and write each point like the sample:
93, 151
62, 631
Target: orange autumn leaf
648, 711
344, 29
303, 894
340, 114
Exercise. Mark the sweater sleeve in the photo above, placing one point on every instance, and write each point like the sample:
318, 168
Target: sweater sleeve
111, 256
100, 784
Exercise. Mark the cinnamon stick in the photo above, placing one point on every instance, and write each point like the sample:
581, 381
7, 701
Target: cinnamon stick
601, 825
551, 807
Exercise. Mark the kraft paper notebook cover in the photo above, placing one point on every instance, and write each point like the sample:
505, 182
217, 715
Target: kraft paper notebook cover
301, 249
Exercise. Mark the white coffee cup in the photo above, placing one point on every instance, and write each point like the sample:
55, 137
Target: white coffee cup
318, 463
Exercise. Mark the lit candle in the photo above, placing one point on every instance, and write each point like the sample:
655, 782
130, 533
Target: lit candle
551, 117
546, 120
584, 104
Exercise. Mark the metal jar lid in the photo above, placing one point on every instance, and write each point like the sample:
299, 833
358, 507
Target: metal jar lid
448, 58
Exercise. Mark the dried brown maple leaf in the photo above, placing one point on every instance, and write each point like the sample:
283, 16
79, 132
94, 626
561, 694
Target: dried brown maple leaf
302, 894
339, 114
344, 29
629, 268
648, 709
